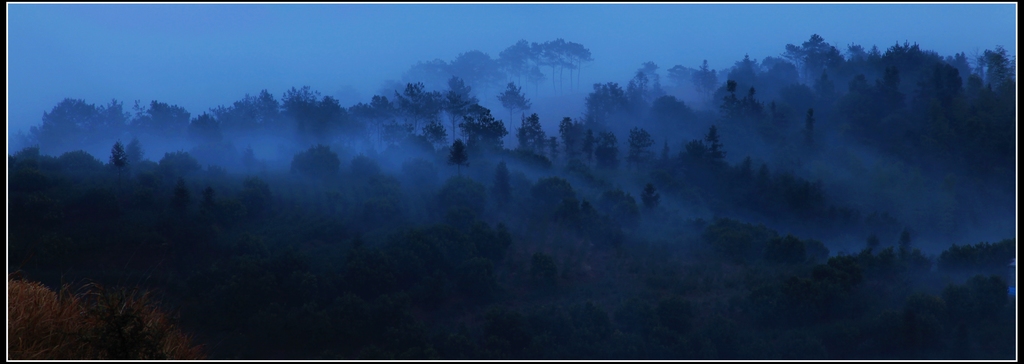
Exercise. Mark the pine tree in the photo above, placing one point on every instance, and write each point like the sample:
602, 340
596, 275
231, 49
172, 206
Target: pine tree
715, 151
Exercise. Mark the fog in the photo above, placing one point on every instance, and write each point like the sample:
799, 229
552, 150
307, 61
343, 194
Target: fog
541, 181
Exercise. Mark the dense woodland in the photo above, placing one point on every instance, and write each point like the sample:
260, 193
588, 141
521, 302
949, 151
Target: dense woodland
818, 204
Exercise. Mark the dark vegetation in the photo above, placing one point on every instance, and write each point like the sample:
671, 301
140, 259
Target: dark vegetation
810, 206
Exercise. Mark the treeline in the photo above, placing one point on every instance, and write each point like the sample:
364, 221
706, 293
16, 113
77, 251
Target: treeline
406, 227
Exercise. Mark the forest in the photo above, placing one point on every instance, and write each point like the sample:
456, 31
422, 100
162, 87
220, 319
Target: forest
819, 204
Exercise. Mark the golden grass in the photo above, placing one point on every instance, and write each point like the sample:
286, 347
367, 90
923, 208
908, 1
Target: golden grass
95, 325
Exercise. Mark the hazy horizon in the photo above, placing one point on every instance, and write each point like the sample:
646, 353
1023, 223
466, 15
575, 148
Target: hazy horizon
201, 56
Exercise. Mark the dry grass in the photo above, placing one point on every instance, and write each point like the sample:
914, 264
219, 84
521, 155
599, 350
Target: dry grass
97, 324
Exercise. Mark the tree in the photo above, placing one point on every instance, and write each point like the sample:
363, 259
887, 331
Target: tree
543, 271
809, 127
999, 67
74, 124
696, 149
255, 196
705, 81
814, 56
873, 242
134, 152
515, 59
458, 156
588, 144
650, 70
577, 54
435, 133
731, 106
530, 135
178, 164
514, 100
481, 130
249, 159
417, 105
607, 151
162, 120
553, 147
207, 204
204, 129
571, 133
180, 199
457, 101
317, 162
715, 151
375, 114
502, 189
477, 68
316, 119
638, 92
905, 240
119, 159
604, 102
650, 196
639, 142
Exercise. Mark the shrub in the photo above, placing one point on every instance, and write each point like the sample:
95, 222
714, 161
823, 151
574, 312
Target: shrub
98, 324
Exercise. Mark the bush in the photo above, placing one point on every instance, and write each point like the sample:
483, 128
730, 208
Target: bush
96, 325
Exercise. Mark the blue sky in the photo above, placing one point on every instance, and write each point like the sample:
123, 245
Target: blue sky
200, 55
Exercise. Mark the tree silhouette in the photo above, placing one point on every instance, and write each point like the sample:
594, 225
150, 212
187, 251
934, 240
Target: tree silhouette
715, 152
553, 147
458, 156
482, 131
317, 162
514, 100
639, 142
134, 152
502, 189
435, 133
571, 133
530, 135
457, 101
873, 242
207, 204
705, 80
607, 151
119, 159
180, 199
588, 144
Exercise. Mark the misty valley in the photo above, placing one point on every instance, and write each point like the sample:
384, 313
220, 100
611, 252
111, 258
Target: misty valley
817, 204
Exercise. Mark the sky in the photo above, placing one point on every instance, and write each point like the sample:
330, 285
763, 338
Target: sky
200, 56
